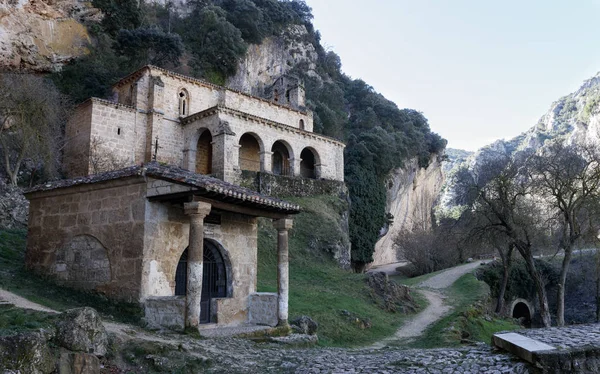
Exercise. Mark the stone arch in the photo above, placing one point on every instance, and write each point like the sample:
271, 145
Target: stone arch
522, 309
309, 166
217, 279
251, 147
184, 102
281, 158
83, 262
204, 152
301, 125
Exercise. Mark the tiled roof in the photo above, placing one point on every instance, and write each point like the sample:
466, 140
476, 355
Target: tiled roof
218, 189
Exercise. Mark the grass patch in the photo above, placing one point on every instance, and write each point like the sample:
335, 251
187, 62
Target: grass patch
13, 319
318, 287
467, 322
15, 278
402, 279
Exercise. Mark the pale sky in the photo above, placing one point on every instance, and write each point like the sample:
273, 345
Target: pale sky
479, 70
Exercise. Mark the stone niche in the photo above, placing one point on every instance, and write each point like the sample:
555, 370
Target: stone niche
82, 262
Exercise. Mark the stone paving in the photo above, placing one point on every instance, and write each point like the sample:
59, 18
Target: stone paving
247, 357
574, 336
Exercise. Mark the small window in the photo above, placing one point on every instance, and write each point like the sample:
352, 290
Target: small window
301, 124
184, 103
118, 131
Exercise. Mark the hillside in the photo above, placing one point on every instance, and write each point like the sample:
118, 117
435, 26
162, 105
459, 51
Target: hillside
246, 45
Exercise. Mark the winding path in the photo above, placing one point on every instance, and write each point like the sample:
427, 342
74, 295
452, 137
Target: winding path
436, 307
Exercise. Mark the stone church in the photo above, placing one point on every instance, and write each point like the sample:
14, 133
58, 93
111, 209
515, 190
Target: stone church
153, 211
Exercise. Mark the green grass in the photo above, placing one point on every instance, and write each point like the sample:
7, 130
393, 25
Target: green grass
14, 319
467, 322
318, 287
15, 278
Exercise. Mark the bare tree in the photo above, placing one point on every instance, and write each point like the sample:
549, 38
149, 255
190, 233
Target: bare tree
102, 159
567, 178
32, 115
502, 198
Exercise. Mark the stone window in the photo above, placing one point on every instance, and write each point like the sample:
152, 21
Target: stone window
249, 153
302, 124
204, 153
184, 103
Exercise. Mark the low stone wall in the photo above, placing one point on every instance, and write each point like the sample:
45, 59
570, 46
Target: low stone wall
278, 185
165, 312
262, 309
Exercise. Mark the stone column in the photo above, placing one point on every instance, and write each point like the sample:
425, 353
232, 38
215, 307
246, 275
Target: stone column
265, 162
283, 282
197, 211
295, 166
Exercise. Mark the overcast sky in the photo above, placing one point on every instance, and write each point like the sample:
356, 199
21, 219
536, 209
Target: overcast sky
479, 70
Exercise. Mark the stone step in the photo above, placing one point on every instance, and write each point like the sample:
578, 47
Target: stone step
519, 345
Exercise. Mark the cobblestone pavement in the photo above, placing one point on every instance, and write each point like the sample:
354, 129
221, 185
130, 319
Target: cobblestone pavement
240, 356
574, 336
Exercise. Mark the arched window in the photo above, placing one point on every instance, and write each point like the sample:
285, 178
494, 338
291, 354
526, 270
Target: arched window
308, 163
301, 124
204, 153
249, 153
280, 160
184, 103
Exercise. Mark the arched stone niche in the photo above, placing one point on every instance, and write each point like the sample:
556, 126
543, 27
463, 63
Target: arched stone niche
82, 262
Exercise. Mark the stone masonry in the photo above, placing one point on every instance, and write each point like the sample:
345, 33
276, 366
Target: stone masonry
153, 103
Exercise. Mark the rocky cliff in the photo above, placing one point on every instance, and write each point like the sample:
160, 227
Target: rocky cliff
42, 35
272, 58
411, 195
574, 118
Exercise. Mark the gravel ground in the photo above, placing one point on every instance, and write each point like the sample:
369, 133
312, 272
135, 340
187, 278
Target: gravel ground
446, 278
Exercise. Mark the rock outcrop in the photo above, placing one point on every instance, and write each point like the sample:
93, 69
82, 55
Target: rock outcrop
412, 193
81, 330
42, 35
274, 57
13, 207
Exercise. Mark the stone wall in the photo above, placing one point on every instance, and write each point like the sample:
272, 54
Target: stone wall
262, 308
167, 234
70, 228
166, 311
77, 138
281, 186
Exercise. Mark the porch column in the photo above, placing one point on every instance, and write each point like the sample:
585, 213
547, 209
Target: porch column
197, 211
283, 282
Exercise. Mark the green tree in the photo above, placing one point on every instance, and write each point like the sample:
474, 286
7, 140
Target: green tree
118, 14
215, 44
150, 45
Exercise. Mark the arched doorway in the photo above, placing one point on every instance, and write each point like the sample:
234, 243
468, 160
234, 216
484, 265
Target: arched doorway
214, 278
308, 163
249, 153
521, 311
204, 153
280, 160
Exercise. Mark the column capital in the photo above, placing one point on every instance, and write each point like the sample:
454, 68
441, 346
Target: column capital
197, 208
283, 224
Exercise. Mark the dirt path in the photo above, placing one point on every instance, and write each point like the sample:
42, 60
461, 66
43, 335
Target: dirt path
7, 297
436, 307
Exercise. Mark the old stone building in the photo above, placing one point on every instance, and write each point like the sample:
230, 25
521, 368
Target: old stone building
168, 224
201, 127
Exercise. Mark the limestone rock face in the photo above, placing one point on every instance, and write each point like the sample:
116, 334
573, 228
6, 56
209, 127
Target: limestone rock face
272, 58
411, 195
42, 35
26, 352
78, 363
81, 330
